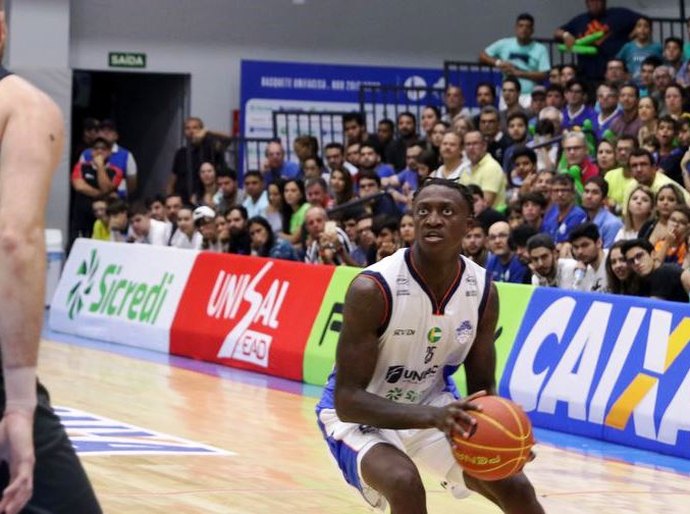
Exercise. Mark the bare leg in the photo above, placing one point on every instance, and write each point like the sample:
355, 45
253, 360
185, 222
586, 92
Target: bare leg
395, 476
514, 495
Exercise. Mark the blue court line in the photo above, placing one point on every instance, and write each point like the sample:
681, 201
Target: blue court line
578, 444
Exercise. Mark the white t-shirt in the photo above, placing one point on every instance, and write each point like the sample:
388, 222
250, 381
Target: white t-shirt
180, 240
159, 233
565, 275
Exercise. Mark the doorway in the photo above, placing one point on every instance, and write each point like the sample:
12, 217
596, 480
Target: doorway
149, 110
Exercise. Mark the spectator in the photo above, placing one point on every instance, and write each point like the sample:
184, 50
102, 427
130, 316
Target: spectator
454, 100
120, 157
89, 133
511, 94
173, 204
517, 124
514, 216
201, 146
490, 128
674, 248
544, 182
620, 178
616, 72
577, 160
186, 236
674, 101
92, 179
426, 164
452, 157
617, 23
370, 160
156, 207
256, 197
636, 51
204, 221
355, 130
407, 180
673, 52
576, 112
620, 278
370, 186
407, 134
437, 133
669, 156
563, 216
312, 167
484, 171
305, 147
532, 207
407, 230
387, 232
335, 159
545, 144
663, 281
295, 207
228, 193
238, 240
555, 75
537, 101
205, 194
316, 190
364, 253
667, 199
518, 241
275, 207
430, 117
485, 95
519, 56
629, 122
524, 170
647, 109
606, 156
100, 231
118, 221
145, 229
474, 244
483, 213
594, 204
547, 269
568, 73
609, 112
385, 132
637, 213
503, 263
264, 242
645, 172
352, 155
646, 82
462, 124
342, 187
588, 251
275, 166
663, 77
555, 96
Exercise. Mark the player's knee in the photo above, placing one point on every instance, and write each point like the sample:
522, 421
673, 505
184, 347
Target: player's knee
517, 491
14, 240
405, 482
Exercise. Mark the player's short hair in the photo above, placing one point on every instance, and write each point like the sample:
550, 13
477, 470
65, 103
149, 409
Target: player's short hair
452, 184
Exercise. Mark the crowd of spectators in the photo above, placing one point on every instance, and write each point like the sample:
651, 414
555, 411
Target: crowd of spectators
577, 183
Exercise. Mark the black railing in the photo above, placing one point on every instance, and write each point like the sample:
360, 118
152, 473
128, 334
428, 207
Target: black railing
325, 126
246, 153
379, 102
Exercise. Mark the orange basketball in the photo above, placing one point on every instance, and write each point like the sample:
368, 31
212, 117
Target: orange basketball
500, 446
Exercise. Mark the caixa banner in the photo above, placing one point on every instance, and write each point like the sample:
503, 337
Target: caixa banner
610, 367
249, 312
123, 293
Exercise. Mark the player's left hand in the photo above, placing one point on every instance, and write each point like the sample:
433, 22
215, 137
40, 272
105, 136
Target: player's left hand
17, 449
455, 418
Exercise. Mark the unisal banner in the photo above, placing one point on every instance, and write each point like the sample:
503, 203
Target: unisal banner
249, 312
123, 293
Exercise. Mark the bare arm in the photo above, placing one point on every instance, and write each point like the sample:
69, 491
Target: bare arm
480, 364
105, 185
485, 58
564, 36
536, 76
81, 186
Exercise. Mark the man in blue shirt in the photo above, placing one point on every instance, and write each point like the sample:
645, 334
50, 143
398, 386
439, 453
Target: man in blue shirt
503, 263
576, 111
519, 56
594, 204
276, 167
563, 215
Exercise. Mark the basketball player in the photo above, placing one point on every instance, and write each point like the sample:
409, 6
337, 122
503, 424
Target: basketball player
31, 133
410, 320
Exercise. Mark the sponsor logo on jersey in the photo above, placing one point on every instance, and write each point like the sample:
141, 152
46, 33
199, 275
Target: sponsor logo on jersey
464, 332
401, 373
403, 332
434, 335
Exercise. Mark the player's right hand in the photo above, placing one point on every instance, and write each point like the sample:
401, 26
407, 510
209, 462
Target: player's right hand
17, 449
454, 418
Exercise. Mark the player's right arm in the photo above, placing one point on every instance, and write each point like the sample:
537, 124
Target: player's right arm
356, 357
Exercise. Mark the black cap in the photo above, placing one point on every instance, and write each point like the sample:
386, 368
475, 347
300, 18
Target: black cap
91, 124
108, 125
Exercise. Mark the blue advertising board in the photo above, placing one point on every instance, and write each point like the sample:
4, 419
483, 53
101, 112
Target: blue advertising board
611, 367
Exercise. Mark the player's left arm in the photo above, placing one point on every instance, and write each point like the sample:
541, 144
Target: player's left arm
480, 364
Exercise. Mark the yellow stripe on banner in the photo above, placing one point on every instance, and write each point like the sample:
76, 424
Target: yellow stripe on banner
677, 341
620, 411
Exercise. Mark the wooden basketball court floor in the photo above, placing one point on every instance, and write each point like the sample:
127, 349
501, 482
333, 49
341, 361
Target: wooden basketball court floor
274, 458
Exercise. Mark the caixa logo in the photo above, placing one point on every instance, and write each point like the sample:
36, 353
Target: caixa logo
400, 373
232, 292
617, 364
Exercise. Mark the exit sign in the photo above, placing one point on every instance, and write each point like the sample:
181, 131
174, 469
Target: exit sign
126, 60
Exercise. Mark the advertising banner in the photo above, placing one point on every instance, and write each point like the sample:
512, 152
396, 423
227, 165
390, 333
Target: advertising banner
249, 312
604, 366
123, 293
319, 355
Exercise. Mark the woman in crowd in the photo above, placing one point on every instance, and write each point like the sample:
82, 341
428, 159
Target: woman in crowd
274, 211
606, 156
264, 243
430, 117
407, 229
638, 212
437, 132
342, 187
647, 110
674, 248
673, 101
206, 193
461, 125
295, 206
621, 279
667, 198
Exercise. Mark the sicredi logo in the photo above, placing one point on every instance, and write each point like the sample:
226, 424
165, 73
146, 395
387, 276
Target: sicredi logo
106, 290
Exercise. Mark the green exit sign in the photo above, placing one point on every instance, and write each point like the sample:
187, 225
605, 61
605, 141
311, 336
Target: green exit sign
126, 60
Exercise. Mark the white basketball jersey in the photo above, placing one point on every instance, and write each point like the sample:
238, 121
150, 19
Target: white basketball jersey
425, 339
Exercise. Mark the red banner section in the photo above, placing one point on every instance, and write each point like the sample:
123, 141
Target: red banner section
249, 312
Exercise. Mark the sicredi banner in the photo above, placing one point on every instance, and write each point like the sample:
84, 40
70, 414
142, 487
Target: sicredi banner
123, 293
249, 312
610, 367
